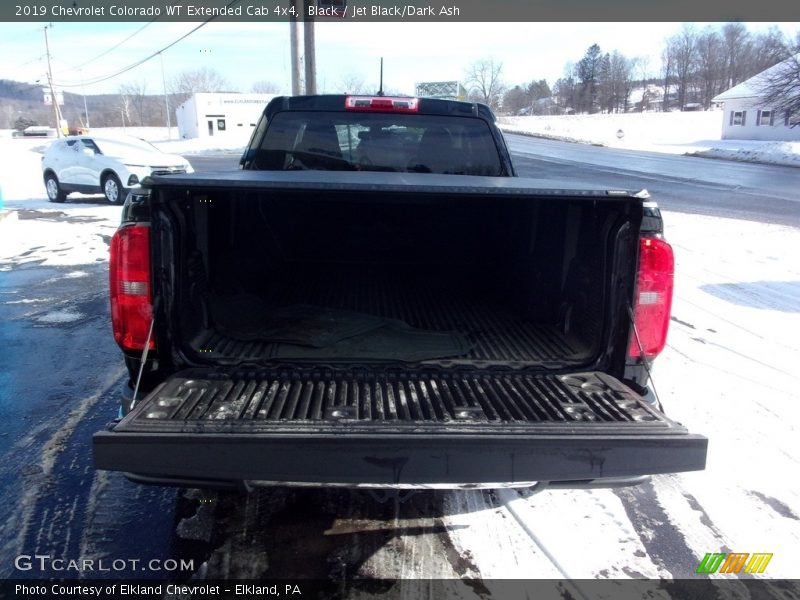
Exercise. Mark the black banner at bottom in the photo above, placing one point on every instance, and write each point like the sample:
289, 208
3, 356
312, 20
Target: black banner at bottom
387, 589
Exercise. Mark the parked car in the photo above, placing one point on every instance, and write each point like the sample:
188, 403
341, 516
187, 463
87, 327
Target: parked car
35, 131
92, 164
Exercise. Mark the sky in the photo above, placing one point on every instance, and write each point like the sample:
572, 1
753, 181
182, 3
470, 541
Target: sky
247, 52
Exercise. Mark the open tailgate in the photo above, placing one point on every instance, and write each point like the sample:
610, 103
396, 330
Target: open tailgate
395, 427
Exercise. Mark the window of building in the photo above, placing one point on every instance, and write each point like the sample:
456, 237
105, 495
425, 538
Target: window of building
738, 117
764, 117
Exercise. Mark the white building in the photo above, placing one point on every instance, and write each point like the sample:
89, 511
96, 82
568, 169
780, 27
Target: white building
746, 117
220, 114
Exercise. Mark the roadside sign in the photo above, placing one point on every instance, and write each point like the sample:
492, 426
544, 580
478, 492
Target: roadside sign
48, 97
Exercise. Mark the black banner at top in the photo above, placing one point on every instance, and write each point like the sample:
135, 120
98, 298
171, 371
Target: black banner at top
445, 11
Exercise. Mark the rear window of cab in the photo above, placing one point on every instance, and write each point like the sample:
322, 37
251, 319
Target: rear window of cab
354, 141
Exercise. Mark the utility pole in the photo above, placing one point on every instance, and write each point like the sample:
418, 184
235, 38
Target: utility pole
50, 83
296, 46
85, 108
166, 96
310, 53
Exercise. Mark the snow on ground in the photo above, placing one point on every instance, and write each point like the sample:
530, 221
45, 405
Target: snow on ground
730, 372
695, 133
35, 231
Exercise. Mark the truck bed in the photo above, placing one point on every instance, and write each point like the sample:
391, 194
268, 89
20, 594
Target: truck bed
515, 276
494, 333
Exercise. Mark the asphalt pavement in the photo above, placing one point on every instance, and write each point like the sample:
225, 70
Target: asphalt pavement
722, 188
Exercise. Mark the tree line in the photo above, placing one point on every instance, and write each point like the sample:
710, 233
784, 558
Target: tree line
696, 65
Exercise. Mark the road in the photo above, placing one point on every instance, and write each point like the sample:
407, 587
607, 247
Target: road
729, 372
765, 193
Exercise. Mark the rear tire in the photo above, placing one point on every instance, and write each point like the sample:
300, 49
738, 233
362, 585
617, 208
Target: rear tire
54, 191
113, 190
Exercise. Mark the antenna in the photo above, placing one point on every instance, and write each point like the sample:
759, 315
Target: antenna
380, 90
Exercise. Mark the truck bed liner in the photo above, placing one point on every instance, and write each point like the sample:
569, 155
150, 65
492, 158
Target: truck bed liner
497, 334
395, 428
269, 400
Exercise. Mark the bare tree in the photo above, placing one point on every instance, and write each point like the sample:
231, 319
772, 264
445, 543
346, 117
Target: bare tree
125, 109
736, 44
780, 89
667, 71
352, 83
710, 64
566, 90
768, 48
684, 51
265, 87
134, 94
615, 82
196, 81
483, 79
641, 68
516, 100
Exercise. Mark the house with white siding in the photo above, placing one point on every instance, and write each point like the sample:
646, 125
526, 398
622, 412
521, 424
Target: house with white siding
747, 117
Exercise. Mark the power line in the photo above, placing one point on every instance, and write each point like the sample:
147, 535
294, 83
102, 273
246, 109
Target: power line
150, 57
38, 58
114, 47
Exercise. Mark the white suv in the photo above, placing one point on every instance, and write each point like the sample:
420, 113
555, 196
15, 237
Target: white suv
91, 164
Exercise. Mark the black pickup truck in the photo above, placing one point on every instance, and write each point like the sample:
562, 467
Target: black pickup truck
376, 299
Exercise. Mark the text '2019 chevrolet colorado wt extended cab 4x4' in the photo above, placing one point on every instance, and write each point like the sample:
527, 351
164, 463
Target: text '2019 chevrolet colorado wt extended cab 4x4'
376, 299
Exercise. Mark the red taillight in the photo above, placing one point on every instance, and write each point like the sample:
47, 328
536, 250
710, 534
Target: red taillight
129, 279
381, 104
653, 300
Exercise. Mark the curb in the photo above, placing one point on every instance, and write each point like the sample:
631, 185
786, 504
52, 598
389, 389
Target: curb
546, 136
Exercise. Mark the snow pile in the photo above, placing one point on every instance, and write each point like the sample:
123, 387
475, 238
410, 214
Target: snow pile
778, 153
696, 133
